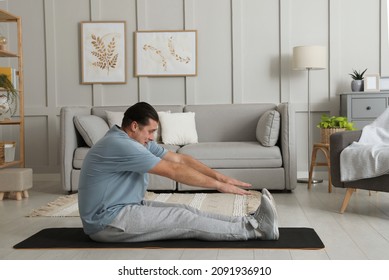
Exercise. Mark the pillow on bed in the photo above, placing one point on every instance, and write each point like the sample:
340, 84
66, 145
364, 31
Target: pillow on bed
268, 128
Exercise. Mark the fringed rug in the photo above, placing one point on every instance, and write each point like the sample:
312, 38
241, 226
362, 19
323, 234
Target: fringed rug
218, 203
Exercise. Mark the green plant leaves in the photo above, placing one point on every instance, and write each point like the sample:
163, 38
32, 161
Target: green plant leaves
357, 75
335, 122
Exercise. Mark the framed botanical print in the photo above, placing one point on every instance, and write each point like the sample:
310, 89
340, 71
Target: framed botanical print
166, 53
103, 52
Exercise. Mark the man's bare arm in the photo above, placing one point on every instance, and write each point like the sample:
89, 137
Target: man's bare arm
202, 168
196, 175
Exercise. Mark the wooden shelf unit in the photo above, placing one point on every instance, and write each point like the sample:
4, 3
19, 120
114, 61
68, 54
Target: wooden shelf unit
19, 121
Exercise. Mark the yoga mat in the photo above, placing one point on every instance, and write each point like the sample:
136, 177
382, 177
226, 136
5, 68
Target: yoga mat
74, 238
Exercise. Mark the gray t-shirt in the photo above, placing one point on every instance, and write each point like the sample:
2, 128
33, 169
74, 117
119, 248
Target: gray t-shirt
113, 175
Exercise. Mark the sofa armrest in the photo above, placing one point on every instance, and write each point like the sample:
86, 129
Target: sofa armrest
287, 143
69, 141
338, 142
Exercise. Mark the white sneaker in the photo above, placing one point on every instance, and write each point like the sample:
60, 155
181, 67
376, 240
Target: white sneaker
266, 216
265, 192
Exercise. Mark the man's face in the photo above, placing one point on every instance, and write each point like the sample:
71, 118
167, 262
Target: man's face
144, 134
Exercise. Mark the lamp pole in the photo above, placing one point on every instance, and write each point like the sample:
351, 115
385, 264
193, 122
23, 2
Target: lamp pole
306, 180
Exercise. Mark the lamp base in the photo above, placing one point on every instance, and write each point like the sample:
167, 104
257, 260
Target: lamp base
305, 180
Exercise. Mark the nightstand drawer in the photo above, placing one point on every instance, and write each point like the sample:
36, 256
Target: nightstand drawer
367, 107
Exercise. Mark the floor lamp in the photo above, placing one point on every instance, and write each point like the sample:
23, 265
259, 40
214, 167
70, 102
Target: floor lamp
309, 58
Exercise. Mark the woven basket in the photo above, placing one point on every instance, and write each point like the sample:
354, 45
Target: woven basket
326, 132
2, 150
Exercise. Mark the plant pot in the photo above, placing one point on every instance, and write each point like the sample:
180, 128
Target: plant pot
357, 85
325, 134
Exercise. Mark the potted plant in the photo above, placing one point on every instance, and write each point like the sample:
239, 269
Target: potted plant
329, 125
357, 82
8, 97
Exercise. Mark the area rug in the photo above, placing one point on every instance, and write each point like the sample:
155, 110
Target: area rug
74, 238
219, 203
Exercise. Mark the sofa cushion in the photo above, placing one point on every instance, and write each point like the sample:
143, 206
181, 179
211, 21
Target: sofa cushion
91, 128
228, 122
268, 128
234, 154
178, 128
79, 155
114, 118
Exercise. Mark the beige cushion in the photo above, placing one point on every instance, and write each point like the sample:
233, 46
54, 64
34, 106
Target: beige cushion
268, 128
91, 128
114, 118
234, 154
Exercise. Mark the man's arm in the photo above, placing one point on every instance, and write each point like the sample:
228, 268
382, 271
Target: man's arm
187, 170
202, 168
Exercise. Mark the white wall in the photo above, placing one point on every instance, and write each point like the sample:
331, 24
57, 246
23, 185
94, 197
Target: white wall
244, 56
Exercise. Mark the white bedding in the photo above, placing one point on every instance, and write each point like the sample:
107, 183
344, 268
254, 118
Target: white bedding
369, 157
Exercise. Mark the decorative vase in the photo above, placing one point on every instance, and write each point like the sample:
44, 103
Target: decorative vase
325, 134
3, 42
357, 85
4, 106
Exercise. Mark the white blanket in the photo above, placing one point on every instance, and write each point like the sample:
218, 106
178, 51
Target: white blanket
369, 157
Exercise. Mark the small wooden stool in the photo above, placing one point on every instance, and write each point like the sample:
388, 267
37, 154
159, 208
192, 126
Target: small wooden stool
325, 148
17, 180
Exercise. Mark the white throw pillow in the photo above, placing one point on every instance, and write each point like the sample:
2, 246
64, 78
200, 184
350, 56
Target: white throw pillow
158, 134
114, 118
92, 128
178, 128
268, 128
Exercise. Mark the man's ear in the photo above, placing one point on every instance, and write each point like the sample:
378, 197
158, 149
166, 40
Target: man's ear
134, 126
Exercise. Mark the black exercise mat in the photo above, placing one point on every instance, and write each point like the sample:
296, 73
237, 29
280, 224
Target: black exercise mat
74, 238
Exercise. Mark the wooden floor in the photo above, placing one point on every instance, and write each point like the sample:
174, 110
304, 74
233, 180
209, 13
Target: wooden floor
362, 232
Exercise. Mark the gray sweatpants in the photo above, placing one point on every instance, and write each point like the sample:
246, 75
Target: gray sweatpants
158, 220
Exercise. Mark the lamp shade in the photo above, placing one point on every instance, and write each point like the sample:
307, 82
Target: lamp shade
309, 57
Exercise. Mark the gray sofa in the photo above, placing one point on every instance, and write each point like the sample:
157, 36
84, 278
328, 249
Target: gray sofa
227, 142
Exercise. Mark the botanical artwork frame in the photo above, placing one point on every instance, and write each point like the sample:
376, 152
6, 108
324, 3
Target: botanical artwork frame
103, 52
371, 83
165, 53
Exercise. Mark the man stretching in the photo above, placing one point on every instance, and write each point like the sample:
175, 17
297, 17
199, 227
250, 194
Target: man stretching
114, 179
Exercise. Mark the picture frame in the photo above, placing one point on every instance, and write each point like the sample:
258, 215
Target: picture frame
371, 82
384, 83
165, 53
103, 52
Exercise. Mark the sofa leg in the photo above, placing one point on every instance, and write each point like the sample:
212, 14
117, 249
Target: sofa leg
346, 199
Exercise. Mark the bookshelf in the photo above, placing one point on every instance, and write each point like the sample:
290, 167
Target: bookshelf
6, 17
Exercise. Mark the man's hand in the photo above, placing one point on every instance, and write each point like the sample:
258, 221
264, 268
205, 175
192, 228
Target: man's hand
228, 188
232, 181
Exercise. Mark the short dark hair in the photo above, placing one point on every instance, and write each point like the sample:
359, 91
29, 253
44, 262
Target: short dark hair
141, 113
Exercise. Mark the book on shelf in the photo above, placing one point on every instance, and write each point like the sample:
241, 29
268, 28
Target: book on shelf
11, 74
